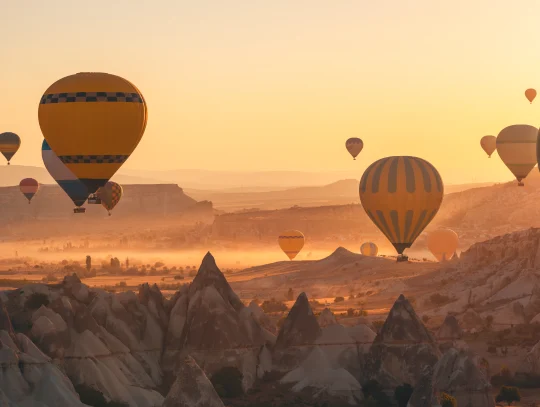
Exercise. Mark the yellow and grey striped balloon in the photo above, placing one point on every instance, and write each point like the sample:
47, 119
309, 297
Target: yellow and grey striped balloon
9, 145
516, 146
401, 195
369, 249
291, 242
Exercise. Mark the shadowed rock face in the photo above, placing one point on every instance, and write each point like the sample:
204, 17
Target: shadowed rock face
449, 330
402, 349
192, 388
423, 391
457, 374
300, 326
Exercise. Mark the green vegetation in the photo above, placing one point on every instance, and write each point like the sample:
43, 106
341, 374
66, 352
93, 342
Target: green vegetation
273, 305
228, 382
447, 400
402, 394
508, 394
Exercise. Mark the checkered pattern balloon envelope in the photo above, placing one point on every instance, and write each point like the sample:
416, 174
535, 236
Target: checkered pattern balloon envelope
110, 195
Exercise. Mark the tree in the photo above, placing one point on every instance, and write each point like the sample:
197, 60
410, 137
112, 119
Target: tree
489, 321
339, 299
402, 394
508, 394
290, 295
350, 312
447, 400
88, 263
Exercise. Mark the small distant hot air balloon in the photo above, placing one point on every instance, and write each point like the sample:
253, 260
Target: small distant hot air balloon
443, 243
29, 187
354, 145
530, 94
9, 144
401, 195
516, 146
74, 188
110, 194
291, 242
93, 122
489, 144
369, 249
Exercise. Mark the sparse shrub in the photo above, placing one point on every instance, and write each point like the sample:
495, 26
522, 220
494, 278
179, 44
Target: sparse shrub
88, 263
402, 394
159, 264
121, 284
508, 394
290, 295
447, 400
36, 300
178, 277
339, 299
350, 312
273, 306
228, 382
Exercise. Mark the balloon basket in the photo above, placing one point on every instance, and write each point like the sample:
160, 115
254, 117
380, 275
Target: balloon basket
401, 258
521, 184
79, 210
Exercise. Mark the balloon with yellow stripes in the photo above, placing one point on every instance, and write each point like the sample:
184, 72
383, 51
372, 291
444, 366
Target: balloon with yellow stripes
291, 242
9, 145
93, 122
401, 195
516, 146
110, 195
369, 249
443, 243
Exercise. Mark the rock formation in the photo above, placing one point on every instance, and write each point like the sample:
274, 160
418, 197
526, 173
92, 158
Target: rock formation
449, 330
402, 348
326, 318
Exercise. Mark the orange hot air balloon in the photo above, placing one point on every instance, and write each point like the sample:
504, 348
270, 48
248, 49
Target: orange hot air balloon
443, 243
29, 187
291, 242
489, 144
354, 146
369, 249
530, 94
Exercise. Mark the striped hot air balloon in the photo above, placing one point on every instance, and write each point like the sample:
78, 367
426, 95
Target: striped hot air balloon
443, 243
74, 188
29, 187
401, 195
110, 195
354, 146
9, 144
369, 249
516, 146
93, 122
291, 242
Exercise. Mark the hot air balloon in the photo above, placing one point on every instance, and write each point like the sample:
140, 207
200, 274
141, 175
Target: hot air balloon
401, 195
74, 188
442, 243
530, 94
516, 146
354, 146
93, 122
29, 187
291, 242
489, 144
9, 144
369, 249
110, 194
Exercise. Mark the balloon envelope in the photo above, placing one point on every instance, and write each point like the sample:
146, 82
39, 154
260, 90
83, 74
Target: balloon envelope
354, 146
489, 144
291, 242
443, 243
110, 195
29, 187
93, 122
516, 146
74, 188
530, 94
401, 195
9, 144
369, 249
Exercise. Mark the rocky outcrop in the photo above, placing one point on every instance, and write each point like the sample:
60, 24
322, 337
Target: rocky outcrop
531, 363
261, 317
471, 321
402, 348
326, 318
191, 388
457, 374
209, 322
423, 395
449, 330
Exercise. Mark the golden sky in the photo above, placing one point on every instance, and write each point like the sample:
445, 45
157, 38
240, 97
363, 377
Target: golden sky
281, 84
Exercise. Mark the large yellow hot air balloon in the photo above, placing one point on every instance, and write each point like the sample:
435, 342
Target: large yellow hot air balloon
516, 146
354, 146
401, 195
291, 242
489, 144
369, 249
530, 94
110, 194
9, 144
93, 122
443, 243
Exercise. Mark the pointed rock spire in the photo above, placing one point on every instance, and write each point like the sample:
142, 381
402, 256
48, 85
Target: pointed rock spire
300, 326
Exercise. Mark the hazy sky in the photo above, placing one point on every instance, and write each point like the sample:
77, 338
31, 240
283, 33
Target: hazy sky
281, 84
